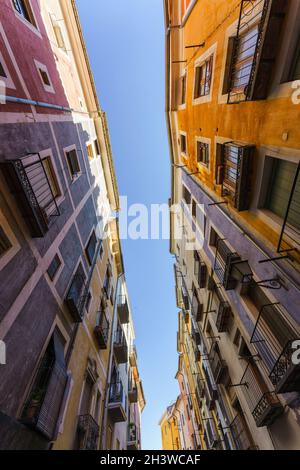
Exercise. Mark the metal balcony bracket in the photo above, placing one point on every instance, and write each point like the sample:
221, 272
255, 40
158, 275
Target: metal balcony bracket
214, 337
242, 384
218, 203
272, 284
277, 258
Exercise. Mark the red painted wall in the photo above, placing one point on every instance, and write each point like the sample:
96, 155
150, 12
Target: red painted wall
27, 46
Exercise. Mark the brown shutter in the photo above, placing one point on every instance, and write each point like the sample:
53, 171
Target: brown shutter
49, 413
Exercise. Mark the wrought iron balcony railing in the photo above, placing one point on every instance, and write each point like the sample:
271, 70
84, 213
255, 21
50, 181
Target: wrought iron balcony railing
289, 241
237, 165
223, 264
133, 437
263, 404
223, 318
42, 409
88, 433
102, 330
133, 357
120, 346
117, 402
123, 309
255, 49
273, 337
240, 434
132, 392
77, 296
28, 181
218, 366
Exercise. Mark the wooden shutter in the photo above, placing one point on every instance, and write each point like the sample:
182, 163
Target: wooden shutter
49, 413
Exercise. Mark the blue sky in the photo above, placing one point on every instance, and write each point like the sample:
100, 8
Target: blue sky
126, 44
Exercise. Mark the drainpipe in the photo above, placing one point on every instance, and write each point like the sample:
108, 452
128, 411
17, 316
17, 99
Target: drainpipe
109, 368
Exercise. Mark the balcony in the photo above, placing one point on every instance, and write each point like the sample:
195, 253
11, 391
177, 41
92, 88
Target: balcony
273, 337
289, 240
123, 309
240, 434
133, 439
229, 267
132, 392
120, 347
197, 355
88, 433
102, 330
218, 366
198, 311
29, 183
77, 296
42, 409
133, 357
237, 165
263, 404
224, 317
255, 49
117, 404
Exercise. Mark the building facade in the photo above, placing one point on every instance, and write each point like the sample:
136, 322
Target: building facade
233, 119
170, 429
69, 381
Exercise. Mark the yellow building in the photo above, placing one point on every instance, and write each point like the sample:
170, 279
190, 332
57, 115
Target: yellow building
233, 118
170, 430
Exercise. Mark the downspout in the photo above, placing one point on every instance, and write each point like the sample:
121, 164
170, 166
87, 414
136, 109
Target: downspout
109, 368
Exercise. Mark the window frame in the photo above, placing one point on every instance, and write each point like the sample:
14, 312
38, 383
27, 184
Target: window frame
42, 69
211, 53
92, 237
59, 269
8, 82
183, 135
15, 246
67, 150
32, 23
207, 142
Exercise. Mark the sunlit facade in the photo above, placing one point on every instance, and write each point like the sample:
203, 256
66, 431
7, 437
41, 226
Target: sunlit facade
233, 119
71, 378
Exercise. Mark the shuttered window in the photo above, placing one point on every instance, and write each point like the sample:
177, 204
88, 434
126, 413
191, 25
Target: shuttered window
43, 406
5, 244
280, 187
86, 397
186, 195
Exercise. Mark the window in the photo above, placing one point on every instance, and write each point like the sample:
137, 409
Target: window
88, 301
186, 195
43, 405
73, 162
49, 170
226, 82
214, 237
281, 176
97, 147
295, 70
194, 209
2, 71
182, 89
90, 151
203, 78
203, 153
54, 267
98, 407
183, 144
5, 244
24, 9
45, 77
91, 248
